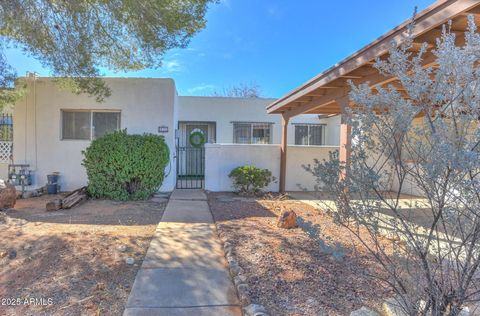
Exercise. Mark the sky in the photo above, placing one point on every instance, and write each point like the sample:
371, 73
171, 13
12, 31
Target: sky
276, 44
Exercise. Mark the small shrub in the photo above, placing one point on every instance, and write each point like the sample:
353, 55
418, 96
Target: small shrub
250, 179
125, 167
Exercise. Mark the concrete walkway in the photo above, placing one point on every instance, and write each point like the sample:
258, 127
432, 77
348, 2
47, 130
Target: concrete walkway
184, 271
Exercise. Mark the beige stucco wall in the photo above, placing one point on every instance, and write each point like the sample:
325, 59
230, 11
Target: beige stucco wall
145, 104
223, 111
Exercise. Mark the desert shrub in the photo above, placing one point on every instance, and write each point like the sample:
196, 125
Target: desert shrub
125, 167
250, 179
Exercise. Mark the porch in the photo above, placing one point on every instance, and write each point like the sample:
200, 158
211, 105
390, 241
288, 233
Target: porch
328, 93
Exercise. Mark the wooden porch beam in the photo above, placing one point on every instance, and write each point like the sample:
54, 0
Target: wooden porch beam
283, 154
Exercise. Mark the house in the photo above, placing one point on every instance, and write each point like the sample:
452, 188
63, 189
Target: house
207, 136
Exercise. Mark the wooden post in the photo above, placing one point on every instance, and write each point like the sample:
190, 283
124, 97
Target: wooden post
345, 134
283, 154
345, 143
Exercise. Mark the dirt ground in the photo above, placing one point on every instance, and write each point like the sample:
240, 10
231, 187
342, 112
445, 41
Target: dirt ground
71, 262
318, 269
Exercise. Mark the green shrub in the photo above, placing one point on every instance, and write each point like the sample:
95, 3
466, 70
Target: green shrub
125, 167
250, 179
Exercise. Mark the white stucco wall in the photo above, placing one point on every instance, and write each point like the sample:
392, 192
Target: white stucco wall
145, 104
298, 179
223, 111
221, 159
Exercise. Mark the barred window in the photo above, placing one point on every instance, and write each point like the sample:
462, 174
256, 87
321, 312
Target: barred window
252, 133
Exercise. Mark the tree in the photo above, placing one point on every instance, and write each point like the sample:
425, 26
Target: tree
75, 39
242, 90
426, 136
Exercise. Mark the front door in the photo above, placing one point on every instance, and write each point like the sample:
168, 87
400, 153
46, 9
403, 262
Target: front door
191, 155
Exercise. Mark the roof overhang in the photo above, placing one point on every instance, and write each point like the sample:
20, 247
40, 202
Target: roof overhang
328, 92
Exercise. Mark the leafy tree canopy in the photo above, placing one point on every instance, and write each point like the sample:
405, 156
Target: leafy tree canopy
74, 39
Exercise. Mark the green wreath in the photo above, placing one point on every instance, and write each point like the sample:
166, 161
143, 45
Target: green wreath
197, 139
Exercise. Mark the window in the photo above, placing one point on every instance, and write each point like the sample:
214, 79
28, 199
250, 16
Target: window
251, 133
309, 134
88, 125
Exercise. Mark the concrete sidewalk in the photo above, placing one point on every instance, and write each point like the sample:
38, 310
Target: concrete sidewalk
184, 271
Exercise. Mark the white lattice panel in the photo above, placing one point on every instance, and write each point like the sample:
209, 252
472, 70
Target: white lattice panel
5, 152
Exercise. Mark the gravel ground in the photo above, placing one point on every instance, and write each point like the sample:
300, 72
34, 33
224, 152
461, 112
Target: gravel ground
317, 269
72, 257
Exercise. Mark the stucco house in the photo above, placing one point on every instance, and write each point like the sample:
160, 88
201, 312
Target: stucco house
52, 127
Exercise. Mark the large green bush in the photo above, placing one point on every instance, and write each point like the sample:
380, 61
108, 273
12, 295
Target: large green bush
250, 179
125, 167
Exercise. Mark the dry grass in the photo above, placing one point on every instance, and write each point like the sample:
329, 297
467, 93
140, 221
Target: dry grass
71, 256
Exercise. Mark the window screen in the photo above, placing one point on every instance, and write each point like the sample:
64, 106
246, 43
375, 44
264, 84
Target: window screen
88, 125
315, 136
242, 133
301, 135
252, 133
105, 122
312, 134
76, 125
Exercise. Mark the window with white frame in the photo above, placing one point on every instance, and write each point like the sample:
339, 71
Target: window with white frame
88, 124
252, 133
309, 134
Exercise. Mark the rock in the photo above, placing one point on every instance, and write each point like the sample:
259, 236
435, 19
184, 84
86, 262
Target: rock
8, 195
27, 247
239, 279
12, 254
364, 311
122, 248
130, 260
287, 220
255, 310
243, 293
236, 269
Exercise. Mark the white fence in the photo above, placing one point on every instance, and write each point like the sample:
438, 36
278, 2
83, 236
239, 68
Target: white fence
221, 159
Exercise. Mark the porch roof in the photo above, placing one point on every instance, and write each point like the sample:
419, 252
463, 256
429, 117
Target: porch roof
328, 92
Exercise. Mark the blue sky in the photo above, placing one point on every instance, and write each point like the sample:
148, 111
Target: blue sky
277, 44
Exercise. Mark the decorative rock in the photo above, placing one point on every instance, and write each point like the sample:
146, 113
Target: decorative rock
287, 220
239, 279
364, 311
27, 247
255, 310
243, 293
236, 269
231, 260
12, 254
122, 248
130, 260
8, 195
